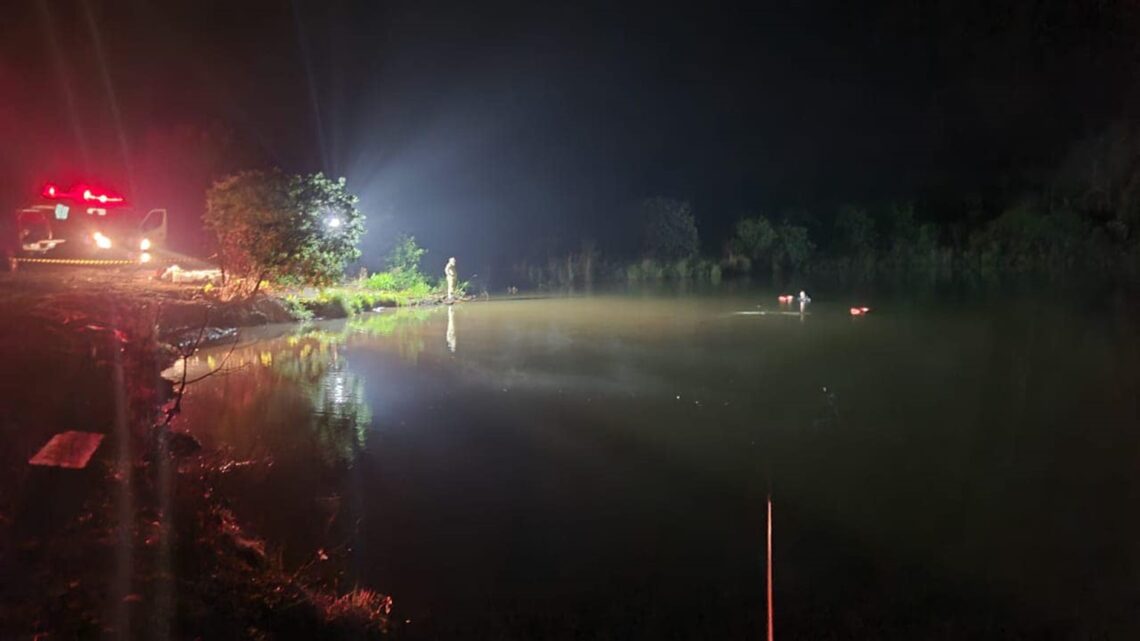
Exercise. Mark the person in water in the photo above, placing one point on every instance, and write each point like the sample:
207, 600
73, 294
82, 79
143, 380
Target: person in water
451, 273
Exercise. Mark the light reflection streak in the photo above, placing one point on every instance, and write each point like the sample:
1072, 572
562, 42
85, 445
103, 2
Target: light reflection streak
312, 366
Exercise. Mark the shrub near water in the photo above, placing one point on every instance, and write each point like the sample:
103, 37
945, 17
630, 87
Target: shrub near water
273, 226
398, 281
403, 279
401, 284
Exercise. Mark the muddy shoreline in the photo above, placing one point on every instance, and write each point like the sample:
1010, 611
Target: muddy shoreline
140, 543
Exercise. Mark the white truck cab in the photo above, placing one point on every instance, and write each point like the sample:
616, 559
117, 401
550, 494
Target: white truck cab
88, 226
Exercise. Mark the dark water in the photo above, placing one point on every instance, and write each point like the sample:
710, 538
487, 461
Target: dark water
598, 467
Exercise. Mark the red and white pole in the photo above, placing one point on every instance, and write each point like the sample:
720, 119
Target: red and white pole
771, 626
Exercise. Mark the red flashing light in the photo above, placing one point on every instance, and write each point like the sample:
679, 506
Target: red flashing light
104, 198
83, 193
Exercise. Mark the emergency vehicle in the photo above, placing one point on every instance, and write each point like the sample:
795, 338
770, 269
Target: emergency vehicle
86, 225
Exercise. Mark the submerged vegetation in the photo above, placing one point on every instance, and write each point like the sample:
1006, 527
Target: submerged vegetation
892, 241
1084, 219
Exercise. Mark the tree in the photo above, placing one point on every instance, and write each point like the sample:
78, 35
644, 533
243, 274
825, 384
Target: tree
753, 237
670, 231
855, 232
783, 246
792, 249
403, 267
406, 255
276, 226
1100, 179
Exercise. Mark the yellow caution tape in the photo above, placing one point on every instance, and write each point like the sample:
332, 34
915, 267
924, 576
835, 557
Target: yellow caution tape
79, 261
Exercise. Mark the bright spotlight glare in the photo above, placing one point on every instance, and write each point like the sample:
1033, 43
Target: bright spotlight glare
144, 257
144, 244
333, 222
101, 241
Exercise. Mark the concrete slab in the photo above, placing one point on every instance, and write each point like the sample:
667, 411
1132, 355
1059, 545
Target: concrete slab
71, 450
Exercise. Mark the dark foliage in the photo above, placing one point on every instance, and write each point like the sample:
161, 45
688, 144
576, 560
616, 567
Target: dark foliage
669, 229
275, 226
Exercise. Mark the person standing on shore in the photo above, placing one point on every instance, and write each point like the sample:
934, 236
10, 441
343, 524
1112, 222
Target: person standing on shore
451, 273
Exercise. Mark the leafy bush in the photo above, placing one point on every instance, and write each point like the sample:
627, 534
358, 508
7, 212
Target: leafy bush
395, 280
402, 287
1023, 239
343, 304
646, 269
756, 241
381, 282
275, 226
682, 269
297, 308
406, 255
340, 303
403, 281
461, 287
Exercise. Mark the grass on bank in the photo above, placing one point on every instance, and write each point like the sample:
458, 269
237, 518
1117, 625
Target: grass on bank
392, 288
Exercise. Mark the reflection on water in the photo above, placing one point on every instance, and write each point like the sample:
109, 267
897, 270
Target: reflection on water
305, 370
601, 464
451, 328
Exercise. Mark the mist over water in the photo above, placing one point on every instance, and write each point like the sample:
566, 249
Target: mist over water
600, 464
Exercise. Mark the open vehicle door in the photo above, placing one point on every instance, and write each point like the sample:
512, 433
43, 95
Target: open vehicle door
153, 227
34, 228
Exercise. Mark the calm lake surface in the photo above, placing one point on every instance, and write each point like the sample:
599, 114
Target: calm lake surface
597, 467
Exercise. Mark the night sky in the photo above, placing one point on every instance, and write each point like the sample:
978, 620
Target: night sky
493, 130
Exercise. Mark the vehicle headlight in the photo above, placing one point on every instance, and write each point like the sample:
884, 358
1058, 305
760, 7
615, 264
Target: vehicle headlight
101, 241
144, 244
